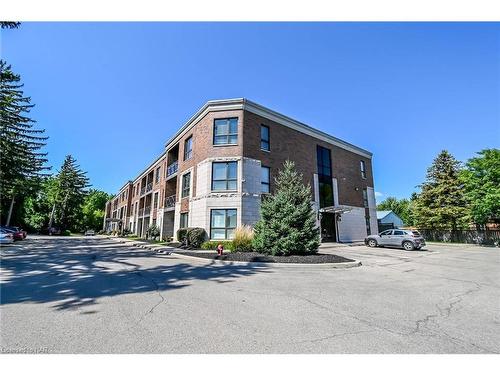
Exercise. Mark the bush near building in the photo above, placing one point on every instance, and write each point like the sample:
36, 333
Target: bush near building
192, 237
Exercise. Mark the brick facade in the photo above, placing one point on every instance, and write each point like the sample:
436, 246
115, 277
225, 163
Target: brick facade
288, 140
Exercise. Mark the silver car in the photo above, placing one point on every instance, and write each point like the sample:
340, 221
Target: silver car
407, 239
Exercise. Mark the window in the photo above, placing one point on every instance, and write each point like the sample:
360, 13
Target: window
155, 200
226, 131
224, 175
386, 232
265, 177
186, 184
188, 148
222, 224
363, 168
157, 177
264, 138
325, 193
184, 220
399, 233
368, 229
365, 198
324, 161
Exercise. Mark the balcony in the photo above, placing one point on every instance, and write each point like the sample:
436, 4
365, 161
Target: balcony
144, 211
146, 189
172, 169
170, 202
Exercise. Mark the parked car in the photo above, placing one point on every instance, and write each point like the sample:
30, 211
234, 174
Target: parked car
407, 239
16, 232
89, 232
6, 236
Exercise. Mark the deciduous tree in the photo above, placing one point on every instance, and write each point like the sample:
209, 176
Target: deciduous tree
481, 178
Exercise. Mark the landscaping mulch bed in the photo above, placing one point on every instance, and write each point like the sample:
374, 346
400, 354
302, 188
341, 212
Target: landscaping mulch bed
257, 257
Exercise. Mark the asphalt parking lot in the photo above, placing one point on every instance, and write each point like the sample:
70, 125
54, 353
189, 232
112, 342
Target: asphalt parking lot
95, 295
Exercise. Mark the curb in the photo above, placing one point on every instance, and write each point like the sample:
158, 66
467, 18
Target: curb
343, 265
167, 250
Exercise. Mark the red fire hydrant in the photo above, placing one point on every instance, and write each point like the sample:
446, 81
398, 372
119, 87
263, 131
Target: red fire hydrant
220, 249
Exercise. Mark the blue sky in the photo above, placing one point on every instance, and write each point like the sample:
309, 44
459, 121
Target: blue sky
111, 94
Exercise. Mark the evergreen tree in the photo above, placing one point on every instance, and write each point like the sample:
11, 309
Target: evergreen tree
481, 178
9, 25
288, 221
441, 204
69, 192
20, 143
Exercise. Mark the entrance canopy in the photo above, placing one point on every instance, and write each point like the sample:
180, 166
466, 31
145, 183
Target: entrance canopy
335, 209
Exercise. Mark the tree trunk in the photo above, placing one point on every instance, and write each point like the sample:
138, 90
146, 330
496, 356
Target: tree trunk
9, 216
63, 211
51, 220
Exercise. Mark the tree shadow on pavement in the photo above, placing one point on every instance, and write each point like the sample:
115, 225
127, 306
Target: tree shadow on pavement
73, 273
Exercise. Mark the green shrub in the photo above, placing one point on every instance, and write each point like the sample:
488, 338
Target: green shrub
65, 233
196, 236
181, 234
243, 237
153, 231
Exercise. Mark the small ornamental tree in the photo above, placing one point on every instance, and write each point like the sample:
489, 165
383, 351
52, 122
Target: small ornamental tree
153, 231
288, 221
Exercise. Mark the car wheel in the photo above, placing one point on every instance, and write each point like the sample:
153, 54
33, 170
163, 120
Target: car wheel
408, 245
372, 243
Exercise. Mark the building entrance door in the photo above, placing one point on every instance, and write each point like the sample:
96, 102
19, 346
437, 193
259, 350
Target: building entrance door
328, 227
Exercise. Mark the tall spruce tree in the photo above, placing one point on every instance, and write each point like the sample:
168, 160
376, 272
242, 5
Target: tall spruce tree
70, 189
21, 161
288, 221
441, 204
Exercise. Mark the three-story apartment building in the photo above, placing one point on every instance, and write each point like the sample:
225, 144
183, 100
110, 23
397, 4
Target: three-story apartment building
216, 168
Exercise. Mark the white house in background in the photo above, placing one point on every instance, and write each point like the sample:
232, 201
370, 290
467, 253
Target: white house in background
387, 218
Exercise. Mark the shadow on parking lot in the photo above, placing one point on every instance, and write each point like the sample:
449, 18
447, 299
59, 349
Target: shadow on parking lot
76, 272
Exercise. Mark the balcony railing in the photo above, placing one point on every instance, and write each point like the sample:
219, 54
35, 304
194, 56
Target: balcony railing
147, 188
170, 201
144, 211
172, 168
